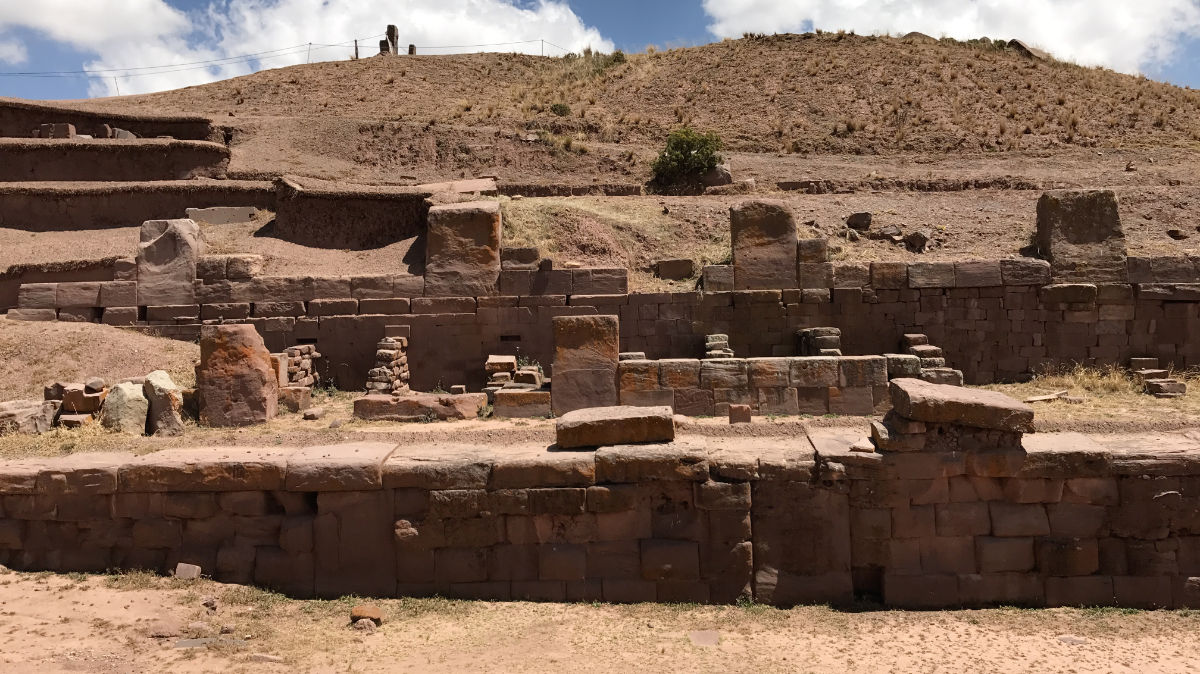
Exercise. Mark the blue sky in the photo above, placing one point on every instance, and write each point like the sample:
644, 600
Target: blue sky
1160, 38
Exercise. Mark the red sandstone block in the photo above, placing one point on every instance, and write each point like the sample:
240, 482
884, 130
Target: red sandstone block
669, 560
920, 592
340, 307
539, 590
723, 495
1145, 592
1033, 490
977, 273
460, 565
963, 519
622, 591
851, 400
1012, 519
614, 560
683, 592
556, 501
474, 532
611, 498
1094, 490
1076, 519
924, 466
1185, 592
562, 561
1061, 556
513, 562
996, 555
739, 414
1008, 589
948, 554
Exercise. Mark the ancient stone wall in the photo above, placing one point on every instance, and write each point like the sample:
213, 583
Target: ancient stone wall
38, 207
111, 160
358, 218
19, 118
1062, 521
995, 320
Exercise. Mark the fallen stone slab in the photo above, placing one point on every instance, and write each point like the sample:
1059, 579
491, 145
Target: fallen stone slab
922, 401
28, 416
517, 404
598, 426
1166, 388
420, 407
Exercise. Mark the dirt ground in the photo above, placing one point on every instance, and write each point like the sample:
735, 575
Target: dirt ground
33, 354
141, 623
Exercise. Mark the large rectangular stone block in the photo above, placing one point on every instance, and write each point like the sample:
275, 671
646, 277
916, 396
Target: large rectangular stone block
1080, 232
462, 250
614, 426
921, 401
586, 350
763, 235
166, 262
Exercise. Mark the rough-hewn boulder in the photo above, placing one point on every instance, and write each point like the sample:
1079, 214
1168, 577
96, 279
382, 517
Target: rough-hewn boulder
166, 404
922, 401
235, 381
125, 409
1080, 232
597, 426
28, 416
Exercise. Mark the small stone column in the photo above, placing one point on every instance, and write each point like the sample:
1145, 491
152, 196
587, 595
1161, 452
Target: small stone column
585, 363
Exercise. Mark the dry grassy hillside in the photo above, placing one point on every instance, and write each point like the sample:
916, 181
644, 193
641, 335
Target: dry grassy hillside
789, 93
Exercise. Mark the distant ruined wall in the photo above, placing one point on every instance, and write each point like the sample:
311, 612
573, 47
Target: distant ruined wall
19, 118
40, 208
111, 160
991, 326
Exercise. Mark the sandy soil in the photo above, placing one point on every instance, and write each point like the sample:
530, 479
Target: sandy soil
33, 354
76, 622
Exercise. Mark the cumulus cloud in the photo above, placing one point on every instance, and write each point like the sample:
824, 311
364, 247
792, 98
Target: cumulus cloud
1120, 34
12, 51
139, 33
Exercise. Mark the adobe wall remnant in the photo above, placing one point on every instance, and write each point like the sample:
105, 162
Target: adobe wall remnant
764, 245
235, 382
462, 250
83, 159
1080, 232
586, 354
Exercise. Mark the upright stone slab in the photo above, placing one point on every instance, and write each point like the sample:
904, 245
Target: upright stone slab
165, 404
462, 250
586, 353
235, 381
764, 245
1080, 232
166, 262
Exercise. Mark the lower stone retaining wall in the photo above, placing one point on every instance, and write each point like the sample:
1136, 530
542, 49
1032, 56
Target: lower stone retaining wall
1065, 521
37, 207
111, 160
18, 118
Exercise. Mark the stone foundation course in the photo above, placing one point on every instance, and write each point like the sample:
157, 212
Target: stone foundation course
937, 515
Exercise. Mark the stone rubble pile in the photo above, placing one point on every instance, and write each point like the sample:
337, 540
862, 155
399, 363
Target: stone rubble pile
717, 346
150, 405
1157, 381
390, 374
516, 391
301, 365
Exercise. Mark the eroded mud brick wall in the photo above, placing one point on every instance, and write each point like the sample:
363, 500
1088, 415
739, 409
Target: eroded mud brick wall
18, 118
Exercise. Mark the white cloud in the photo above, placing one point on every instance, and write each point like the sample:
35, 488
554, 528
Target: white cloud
1121, 34
138, 33
12, 51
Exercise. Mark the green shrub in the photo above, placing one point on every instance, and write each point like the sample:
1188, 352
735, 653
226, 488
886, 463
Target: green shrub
561, 109
688, 155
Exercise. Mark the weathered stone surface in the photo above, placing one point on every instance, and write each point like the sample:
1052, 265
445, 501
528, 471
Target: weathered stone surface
165, 401
295, 398
599, 426
343, 467
235, 381
521, 404
205, 469
166, 262
125, 409
675, 270
462, 251
28, 416
1080, 232
420, 406
921, 401
586, 358
763, 234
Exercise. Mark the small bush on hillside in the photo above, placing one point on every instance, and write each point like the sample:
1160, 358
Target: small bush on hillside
688, 155
560, 109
